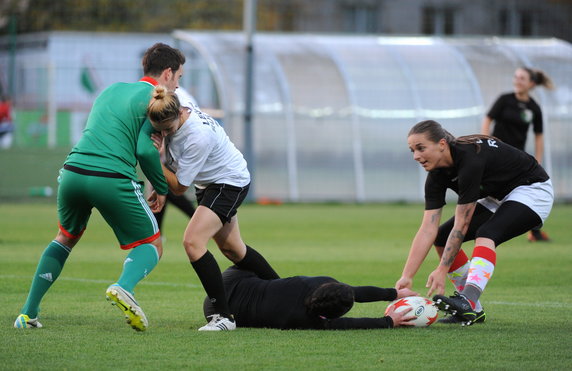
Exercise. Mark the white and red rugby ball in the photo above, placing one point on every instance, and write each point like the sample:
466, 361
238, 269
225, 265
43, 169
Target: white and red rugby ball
424, 309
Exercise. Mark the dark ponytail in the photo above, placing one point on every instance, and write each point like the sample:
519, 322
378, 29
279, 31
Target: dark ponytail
539, 78
433, 130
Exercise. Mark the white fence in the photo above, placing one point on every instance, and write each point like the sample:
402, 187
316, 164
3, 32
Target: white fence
331, 113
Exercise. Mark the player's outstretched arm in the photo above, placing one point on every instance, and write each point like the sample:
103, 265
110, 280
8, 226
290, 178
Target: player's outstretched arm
420, 247
358, 323
391, 320
367, 294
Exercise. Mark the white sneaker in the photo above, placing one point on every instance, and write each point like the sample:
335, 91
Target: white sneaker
219, 323
23, 321
127, 304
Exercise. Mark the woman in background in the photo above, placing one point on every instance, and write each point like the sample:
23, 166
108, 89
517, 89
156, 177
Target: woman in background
513, 113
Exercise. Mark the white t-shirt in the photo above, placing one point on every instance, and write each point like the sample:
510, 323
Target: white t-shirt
200, 152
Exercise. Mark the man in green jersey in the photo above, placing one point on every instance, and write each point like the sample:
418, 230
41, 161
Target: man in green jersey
100, 172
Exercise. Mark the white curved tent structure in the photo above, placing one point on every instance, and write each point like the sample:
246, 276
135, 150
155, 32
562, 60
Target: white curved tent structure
331, 113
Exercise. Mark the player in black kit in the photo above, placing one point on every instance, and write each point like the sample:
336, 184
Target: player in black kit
303, 302
513, 113
503, 193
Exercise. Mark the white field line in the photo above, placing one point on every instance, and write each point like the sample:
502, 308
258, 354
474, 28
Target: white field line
189, 285
73, 279
537, 305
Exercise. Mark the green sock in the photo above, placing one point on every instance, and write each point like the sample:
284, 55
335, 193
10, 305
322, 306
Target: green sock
138, 264
49, 268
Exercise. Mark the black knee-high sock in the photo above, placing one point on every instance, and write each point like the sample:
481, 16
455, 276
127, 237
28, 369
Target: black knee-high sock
256, 263
209, 273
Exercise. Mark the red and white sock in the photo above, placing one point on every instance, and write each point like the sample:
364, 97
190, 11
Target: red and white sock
480, 272
459, 272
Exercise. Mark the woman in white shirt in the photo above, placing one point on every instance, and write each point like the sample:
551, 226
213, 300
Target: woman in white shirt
199, 152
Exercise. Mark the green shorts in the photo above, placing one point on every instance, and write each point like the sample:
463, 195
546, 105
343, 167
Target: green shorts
119, 200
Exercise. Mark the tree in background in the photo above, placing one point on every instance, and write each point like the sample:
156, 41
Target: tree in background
140, 15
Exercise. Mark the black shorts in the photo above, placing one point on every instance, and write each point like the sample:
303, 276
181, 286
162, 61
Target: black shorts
223, 199
510, 220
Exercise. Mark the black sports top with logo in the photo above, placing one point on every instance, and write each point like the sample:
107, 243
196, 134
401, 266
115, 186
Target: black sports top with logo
513, 118
486, 168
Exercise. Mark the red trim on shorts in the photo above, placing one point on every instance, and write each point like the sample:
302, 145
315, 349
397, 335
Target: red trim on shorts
150, 80
460, 260
485, 253
141, 242
68, 234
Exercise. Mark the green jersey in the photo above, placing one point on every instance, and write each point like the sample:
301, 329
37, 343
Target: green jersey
117, 135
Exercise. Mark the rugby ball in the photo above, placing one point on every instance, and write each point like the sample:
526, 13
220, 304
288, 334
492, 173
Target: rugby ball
424, 309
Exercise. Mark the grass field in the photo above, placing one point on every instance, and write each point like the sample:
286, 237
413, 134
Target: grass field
528, 301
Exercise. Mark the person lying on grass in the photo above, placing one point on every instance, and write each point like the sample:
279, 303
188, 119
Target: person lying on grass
303, 302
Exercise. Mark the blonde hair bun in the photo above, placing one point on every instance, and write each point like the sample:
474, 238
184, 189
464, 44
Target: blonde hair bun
159, 92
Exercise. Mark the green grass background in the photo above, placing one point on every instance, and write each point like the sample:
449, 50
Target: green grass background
528, 300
